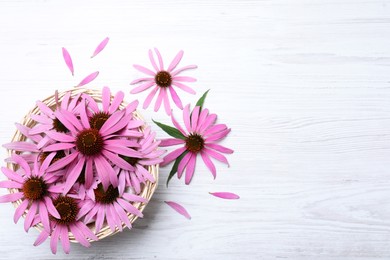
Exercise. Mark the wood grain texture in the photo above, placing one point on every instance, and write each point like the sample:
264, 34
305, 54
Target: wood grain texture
303, 84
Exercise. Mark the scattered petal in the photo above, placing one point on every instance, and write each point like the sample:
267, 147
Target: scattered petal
68, 60
88, 78
100, 47
179, 208
225, 195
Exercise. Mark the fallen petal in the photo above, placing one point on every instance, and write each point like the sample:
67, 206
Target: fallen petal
68, 60
180, 209
225, 195
100, 47
88, 78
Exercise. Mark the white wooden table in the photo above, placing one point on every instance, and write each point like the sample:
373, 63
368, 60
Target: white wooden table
304, 84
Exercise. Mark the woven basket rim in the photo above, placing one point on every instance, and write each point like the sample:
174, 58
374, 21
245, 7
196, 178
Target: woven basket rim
147, 190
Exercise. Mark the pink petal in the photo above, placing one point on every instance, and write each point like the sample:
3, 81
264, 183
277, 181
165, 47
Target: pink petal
116, 102
41, 238
88, 173
88, 78
21, 146
216, 155
60, 137
166, 102
160, 60
142, 87
144, 70
11, 197
159, 100
132, 197
172, 156
112, 121
183, 87
207, 122
190, 169
110, 218
65, 240
22, 162
119, 149
83, 115
30, 216
217, 136
183, 164
45, 164
215, 129
58, 146
151, 58
121, 125
70, 117
194, 118
68, 60
100, 47
170, 142
44, 216
132, 107
183, 79
54, 238
99, 219
129, 207
225, 195
10, 185
179, 208
219, 148
209, 163
140, 80
40, 129
122, 215
175, 98
20, 210
79, 236
150, 97
73, 175
12, 175
44, 108
186, 117
174, 73
50, 208
105, 171
65, 100
175, 61
25, 131
118, 161
61, 163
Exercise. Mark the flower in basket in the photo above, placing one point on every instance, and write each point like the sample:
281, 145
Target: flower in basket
81, 161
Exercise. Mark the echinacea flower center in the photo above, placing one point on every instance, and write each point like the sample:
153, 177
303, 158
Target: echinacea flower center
106, 196
163, 79
194, 143
67, 208
89, 142
59, 155
131, 160
34, 188
98, 120
58, 126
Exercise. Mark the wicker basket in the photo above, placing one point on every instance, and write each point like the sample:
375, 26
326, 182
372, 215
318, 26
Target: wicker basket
147, 189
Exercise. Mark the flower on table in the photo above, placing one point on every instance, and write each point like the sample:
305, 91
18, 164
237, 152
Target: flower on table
163, 80
200, 136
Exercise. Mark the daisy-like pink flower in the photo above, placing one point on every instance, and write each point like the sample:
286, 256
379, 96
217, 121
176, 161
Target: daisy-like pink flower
201, 138
150, 156
36, 188
47, 120
93, 147
163, 81
67, 221
111, 205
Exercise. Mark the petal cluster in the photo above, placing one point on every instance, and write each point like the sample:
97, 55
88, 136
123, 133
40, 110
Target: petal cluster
82, 165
